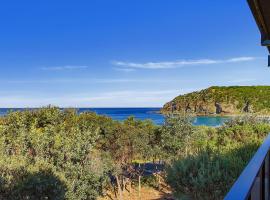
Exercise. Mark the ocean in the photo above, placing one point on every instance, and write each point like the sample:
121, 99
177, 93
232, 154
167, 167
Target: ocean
141, 114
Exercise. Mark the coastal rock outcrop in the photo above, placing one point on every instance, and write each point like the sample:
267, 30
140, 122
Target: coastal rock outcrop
218, 108
246, 108
223, 101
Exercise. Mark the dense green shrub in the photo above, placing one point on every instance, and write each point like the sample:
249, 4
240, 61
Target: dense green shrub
39, 185
50, 153
22, 180
64, 142
177, 134
223, 154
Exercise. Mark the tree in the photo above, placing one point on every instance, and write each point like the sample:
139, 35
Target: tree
176, 135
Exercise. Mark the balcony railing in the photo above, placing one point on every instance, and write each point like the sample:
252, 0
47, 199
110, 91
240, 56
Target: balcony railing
253, 183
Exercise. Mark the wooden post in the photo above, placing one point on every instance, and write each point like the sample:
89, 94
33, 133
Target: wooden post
139, 187
130, 189
119, 188
159, 188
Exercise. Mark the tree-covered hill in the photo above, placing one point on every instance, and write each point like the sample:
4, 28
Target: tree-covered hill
223, 100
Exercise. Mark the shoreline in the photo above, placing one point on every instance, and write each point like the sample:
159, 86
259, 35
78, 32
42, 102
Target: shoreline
218, 115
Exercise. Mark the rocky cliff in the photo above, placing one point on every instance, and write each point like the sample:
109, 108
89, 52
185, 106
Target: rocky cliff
223, 101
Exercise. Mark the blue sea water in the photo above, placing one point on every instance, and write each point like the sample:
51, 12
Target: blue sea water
141, 114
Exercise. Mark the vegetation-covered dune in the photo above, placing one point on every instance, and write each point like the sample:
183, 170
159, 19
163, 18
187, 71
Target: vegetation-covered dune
230, 100
53, 154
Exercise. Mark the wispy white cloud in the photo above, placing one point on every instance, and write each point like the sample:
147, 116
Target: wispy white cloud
63, 68
241, 59
177, 63
124, 69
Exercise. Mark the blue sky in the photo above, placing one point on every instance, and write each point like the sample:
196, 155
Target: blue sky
124, 53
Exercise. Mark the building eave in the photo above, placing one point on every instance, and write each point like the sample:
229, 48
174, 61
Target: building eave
261, 13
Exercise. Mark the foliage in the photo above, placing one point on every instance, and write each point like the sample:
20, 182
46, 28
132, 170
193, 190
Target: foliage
50, 153
233, 98
209, 171
62, 153
62, 140
176, 134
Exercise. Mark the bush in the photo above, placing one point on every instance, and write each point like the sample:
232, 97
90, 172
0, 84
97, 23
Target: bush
54, 151
210, 172
21, 180
50, 153
39, 185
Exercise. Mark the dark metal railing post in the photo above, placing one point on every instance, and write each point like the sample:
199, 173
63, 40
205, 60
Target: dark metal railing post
256, 188
263, 181
267, 174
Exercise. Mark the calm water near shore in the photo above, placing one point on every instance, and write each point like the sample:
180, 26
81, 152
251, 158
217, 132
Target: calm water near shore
142, 114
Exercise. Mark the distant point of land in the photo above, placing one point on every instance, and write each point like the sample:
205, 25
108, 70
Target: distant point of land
217, 100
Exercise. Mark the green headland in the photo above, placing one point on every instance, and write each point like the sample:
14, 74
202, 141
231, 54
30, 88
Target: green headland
215, 100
